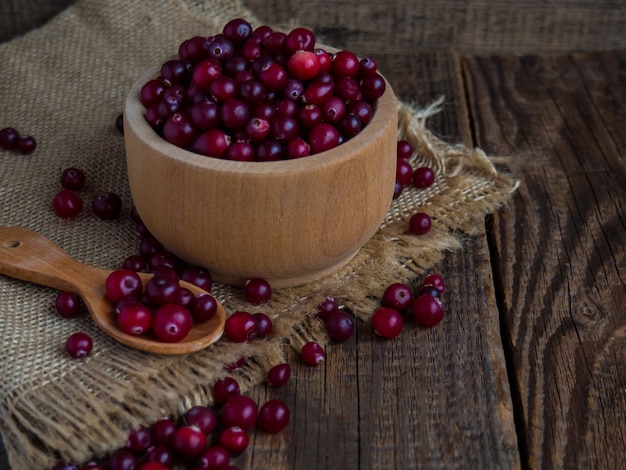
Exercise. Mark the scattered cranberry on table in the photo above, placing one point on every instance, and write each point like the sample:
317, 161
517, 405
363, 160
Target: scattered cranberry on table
312, 353
68, 304
420, 223
10, 139
79, 345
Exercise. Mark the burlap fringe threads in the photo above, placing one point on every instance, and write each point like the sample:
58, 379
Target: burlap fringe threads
80, 417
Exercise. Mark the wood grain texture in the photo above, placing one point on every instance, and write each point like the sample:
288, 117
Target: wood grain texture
431, 398
559, 247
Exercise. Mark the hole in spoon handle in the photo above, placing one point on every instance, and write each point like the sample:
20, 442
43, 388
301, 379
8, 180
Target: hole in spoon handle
29, 256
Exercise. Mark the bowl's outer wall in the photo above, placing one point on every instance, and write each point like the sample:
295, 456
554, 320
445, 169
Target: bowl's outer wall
288, 222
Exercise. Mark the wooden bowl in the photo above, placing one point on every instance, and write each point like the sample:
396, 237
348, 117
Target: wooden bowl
289, 222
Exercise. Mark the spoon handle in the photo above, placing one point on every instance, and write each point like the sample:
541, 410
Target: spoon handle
29, 256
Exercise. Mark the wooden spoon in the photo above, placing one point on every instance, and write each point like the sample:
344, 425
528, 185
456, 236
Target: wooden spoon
29, 256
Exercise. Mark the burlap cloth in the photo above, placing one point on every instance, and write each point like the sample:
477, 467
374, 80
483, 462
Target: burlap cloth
65, 84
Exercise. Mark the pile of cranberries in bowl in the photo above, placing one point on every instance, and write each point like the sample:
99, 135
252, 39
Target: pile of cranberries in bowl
261, 95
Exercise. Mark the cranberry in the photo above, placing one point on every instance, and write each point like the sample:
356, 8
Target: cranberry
327, 306
404, 171
220, 48
279, 375
240, 411
225, 388
135, 319
324, 59
427, 310
257, 291
107, 206
179, 129
213, 458
122, 460
237, 31
430, 290
201, 417
203, 307
205, 72
323, 137
79, 345
285, 128
404, 149
258, 128
223, 88
348, 89
303, 65
318, 92
436, 281
73, 178
299, 39
125, 302
339, 325
274, 416
420, 223
149, 246
309, 116
397, 296
162, 431
345, 64
367, 66
274, 41
423, 177
333, 109
171, 323
350, 125
152, 92
234, 113
162, 289
174, 71
298, 148
387, 322
198, 276
361, 109
205, 115
122, 282
263, 325
8, 138
188, 443
312, 353
212, 143
139, 440
240, 327
397, 190
160, 454
68, 304
372, 86
273, 77
234, 439
26, 144
269, 150
67, 204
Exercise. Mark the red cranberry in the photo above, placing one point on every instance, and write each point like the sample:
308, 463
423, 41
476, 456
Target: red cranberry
239, 410
234, 113
240, 152
179, 129
225, 388
257, 291
339, 325
160, 454
361, 109
420, 223
274, 416
333, 109
404, 171
237, 30
152, 92
212, 143
269, 150
397, 190
203, 307
171, 323
298, 148
162, 431
427, 310
67, 204
201, 417
220, 48
213, 458
323, 137
205, 72
345, 64
350, 125
258, 128
348, 89
78, 345
372, 87
174, 71
68, 304
162, 289
327, 306
107, 206
73, 178
163, 259
149, 246
317, 93
435, 280
324, 59
8, 138
397, 296
139, 440
122, 282
122, 460
279, 375
240, 327
205, 115
404, 149
299, 39
430, 290
423, 177
387, 322
303, 65
263, 325
367, 66
188, 443
235, 440
135, 319
26, 144
312, 353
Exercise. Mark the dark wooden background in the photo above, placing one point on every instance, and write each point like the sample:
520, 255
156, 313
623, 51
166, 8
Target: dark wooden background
527, 369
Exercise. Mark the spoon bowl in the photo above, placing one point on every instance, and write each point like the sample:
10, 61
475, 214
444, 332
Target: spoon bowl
29, 256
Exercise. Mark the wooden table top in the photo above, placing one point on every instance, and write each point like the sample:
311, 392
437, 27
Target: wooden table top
527, 370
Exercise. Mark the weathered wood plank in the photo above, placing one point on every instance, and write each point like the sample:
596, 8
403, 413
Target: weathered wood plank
434, 398
560, 246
